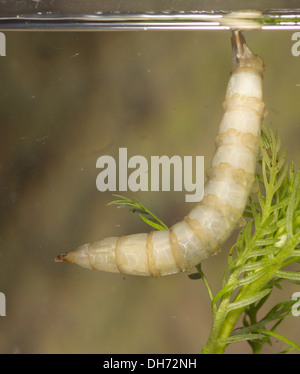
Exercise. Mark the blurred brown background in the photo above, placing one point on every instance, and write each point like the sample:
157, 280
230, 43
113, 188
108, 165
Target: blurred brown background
65, 100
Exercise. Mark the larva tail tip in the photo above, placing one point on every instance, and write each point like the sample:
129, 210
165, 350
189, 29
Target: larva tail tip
239, 46
241, 54
62, 257
238, 37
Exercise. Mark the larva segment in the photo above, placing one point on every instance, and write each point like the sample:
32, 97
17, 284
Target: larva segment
229, 182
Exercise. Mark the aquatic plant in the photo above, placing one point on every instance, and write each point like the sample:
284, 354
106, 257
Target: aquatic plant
257, 262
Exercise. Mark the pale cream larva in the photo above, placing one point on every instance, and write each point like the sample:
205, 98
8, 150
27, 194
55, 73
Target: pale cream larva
229, 182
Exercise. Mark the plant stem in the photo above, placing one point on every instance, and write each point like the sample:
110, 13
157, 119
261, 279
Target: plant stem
225, 317
224, 320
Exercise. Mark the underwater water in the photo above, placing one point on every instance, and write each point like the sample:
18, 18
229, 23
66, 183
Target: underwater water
66, 99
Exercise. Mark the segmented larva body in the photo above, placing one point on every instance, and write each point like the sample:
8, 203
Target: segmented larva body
230, 179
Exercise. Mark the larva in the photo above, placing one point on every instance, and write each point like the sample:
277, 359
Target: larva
229, 181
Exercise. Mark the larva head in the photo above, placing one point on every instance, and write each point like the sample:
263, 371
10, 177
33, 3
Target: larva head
242, 56
63, 257
78, 256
